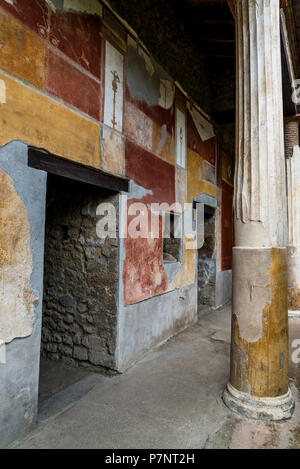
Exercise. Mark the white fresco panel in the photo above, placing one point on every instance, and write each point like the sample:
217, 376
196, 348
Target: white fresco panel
113, 105
180, 138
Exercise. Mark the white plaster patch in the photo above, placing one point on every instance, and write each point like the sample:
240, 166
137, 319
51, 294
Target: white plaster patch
167, 94
84, 6
2, 354
180, 138
113, 107
2, 92
203, 126
138, 126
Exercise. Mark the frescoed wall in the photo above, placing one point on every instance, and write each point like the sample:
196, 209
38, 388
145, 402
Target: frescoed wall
76, 81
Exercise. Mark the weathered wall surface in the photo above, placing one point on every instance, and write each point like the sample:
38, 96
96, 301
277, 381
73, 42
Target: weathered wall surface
124, 118
81, 278
76, 80
19, 374
145, 325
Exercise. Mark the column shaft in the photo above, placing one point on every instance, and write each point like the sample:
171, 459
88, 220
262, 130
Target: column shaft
258, 384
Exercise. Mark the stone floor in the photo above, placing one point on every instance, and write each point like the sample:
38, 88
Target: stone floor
172, 399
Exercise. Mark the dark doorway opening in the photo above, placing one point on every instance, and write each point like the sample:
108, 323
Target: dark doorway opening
80, 296
207, 263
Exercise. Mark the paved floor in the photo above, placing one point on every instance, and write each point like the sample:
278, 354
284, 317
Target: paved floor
172, 399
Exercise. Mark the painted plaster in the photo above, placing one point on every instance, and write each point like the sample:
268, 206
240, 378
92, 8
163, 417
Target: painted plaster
207, 149
143, 271
195, 178
72, 85
19, 376
76, 34
113, 107
203, 126
112, 151
180, 138
150, 172
138, 126
40, 121
16, 298
21, 53
181, 186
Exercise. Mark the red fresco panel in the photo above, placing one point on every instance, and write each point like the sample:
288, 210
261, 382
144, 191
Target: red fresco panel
207, 149
33, 13
144, 275
150, 172
72, 86
227, 226
75, 34
78, 36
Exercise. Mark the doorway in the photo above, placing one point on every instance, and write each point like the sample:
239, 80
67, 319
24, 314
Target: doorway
80, 292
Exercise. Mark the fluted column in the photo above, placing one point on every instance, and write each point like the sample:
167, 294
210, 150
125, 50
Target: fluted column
292, 153
258, 386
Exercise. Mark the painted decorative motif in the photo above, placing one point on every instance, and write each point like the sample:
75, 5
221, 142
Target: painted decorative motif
113, 107
180, 138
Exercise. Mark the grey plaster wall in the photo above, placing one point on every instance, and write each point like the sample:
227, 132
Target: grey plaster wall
19, 376
145, 325
148, 324
223, 288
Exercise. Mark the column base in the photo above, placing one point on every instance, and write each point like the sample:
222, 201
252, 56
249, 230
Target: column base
271, 408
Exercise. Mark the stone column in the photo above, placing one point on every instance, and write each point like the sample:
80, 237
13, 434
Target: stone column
292, 153
258, 386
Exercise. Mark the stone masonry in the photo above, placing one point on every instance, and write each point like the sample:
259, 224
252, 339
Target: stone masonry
80, 278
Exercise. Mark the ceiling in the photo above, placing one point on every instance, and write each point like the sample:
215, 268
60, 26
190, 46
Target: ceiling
211, 26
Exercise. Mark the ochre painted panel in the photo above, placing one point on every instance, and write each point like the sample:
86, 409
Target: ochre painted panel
163, 143
227, 169
29, 116
187, 272
22, 53
195, 178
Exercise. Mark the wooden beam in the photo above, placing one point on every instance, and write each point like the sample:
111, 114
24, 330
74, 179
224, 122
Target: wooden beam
41, 159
